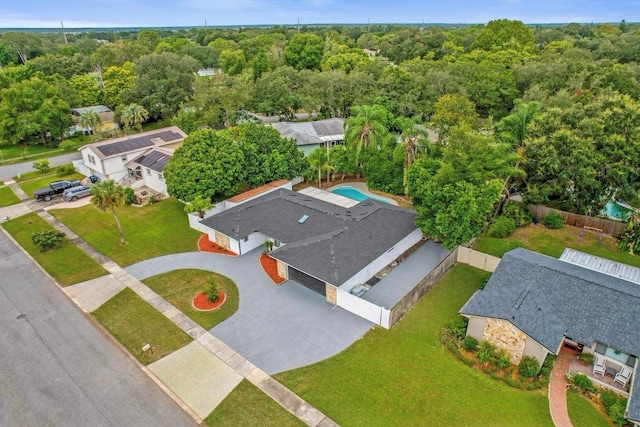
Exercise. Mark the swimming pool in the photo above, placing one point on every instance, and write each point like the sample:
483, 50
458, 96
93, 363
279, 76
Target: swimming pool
352, 193
615, 211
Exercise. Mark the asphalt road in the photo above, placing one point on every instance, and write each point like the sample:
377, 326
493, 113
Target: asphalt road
57, 368
9, 171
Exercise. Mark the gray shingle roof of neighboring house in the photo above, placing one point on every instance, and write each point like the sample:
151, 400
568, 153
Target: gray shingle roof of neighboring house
96, 108
128, 143
333, 244
306, 133
154, 159
548, 298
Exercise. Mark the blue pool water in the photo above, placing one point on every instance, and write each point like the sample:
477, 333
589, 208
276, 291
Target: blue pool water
354, 194
615, 211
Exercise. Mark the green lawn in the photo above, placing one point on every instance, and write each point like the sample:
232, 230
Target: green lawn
583, 413
553, 242
404, 376
134, 323
246, 405
153, 230
178, 287
7, 196
30, 185
68, 264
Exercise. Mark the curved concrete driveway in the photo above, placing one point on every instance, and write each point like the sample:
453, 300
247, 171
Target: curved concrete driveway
277, 328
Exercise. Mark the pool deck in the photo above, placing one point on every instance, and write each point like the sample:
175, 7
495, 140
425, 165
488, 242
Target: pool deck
336, 199
362, 187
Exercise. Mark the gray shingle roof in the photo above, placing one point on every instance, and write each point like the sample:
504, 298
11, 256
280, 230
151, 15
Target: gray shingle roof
306, 133
333, 244
547, 298
153, 159
633, 408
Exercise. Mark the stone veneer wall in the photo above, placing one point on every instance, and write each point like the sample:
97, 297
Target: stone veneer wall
332, 293
282, 269
222, 240
503, 334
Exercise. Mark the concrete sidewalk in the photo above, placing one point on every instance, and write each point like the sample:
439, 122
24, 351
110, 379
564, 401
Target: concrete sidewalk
226, 366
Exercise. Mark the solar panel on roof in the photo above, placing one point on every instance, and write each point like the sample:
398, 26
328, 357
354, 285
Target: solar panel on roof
137, 143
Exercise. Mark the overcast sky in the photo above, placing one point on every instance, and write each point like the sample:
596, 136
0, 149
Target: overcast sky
156, 13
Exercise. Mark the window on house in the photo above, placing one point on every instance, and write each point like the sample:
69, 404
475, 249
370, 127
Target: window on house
92, 159
124, 158
615, 354
160, 177
148, 172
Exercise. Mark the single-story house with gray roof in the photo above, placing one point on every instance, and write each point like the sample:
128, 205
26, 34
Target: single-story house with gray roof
316, 243
311, 135
533, 304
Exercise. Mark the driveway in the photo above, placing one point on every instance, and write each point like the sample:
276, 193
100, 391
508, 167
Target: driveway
57, 368
277, 328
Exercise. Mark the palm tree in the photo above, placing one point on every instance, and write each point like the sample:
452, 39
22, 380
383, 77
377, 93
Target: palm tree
365, 127
199, 204
409, 137
109, 196
318, 159
134, 115
90, 119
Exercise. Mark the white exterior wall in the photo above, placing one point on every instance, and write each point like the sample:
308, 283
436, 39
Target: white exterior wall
154, 182
362, 308
383, 260
254, 240
533, 349
475, 327
93, 168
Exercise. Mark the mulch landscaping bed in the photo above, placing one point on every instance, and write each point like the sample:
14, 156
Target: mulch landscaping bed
206, 245
270, 267
200, 301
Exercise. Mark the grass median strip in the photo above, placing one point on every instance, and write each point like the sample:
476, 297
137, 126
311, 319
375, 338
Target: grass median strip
67, 264
134, 323
150, 231
179, 287
248, 406
404, 376
7, 197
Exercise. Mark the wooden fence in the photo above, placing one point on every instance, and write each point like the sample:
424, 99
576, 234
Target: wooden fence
410, 299
607, 226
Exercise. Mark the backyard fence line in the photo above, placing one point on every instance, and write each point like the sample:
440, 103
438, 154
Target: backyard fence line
612, 228
477, 259
410, 299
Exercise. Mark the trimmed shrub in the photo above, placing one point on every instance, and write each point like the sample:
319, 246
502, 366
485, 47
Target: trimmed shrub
586, 358
520, 214
211, 291
470, 343
65, 170
41, 165
129, 196
500, 359
528, 367
502, 227
614, 405
553, 220
458, 327
486, 351
583, 382
49, 239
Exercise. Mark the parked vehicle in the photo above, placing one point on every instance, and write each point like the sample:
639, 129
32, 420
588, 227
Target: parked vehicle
75, 193
55, 187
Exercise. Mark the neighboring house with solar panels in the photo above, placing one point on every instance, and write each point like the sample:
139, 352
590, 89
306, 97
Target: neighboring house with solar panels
311, 135
136, 160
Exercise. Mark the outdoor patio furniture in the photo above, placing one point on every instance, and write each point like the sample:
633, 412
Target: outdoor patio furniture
623, 376
599, 364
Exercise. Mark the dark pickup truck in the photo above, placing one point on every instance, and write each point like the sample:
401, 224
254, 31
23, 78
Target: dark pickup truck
55, 187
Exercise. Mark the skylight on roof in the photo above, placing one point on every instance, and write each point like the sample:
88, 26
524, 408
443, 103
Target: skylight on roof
303, 218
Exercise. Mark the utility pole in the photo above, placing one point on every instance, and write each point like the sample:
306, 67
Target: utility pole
205, 22
298, 25
63, 33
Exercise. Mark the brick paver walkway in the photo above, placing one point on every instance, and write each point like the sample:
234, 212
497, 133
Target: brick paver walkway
558, 390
